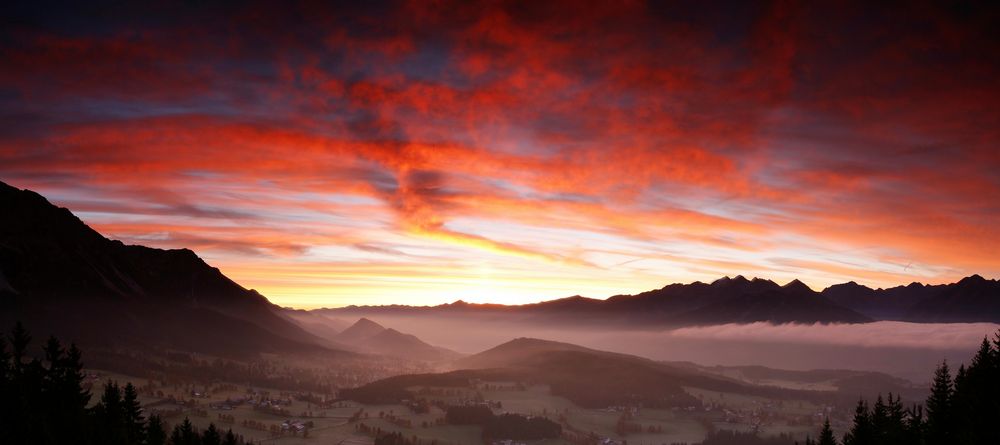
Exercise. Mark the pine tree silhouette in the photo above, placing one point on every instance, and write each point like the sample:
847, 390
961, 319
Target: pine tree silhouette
861, 432
939, 416
155, 434
826, 434
211, 436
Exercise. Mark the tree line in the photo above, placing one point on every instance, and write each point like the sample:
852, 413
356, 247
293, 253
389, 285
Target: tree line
44, 401
963, 409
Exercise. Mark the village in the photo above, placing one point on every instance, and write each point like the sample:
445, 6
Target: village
261, 415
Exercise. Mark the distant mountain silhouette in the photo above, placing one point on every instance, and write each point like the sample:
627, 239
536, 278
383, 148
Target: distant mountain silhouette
62, 277
727, 300
370, 337
739, 300
320, 325
359, 331
588, 377
519, 350
973, 299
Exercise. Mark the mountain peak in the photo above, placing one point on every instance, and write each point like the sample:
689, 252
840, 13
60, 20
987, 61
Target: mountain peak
797, 286
360, 330
972, 279
366, 323
726, 280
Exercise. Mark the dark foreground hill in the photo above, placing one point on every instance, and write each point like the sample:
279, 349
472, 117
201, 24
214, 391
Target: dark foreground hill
62, 277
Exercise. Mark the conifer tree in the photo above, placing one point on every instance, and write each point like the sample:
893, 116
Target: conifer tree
939, 416
155, 434
6, 380
110, 414
826, 434
133, 420
230, 438
913, 426
211, 436
188, 434
19, 340
177, 436
861, 432
880, 419
976, 403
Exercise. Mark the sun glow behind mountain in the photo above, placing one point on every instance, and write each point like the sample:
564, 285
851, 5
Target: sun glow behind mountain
417, 154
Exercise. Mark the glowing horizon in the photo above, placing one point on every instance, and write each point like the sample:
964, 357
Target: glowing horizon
421, 154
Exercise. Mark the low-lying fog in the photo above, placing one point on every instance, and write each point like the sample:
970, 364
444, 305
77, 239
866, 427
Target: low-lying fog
908, 350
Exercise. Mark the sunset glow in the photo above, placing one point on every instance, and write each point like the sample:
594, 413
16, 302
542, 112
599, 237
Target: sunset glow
424, 152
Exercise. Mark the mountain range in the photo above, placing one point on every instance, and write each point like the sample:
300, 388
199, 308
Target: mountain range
741, 300
60, 276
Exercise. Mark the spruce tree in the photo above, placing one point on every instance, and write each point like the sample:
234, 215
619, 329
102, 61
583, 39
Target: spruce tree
939, 416
914, 426
189, 436
976, 403
133, 420
25, 415
155, 434
880, 420
230, 438
19, 340
896, 433
826, 434
177, 436
110, 413
6, 380
861, 431
211, 436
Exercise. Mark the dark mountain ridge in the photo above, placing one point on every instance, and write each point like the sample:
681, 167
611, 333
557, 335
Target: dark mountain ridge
62, 277
740, 300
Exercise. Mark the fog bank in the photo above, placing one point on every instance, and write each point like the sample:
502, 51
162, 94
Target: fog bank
908, 350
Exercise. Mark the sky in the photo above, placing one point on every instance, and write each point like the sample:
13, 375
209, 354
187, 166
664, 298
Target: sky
421, 152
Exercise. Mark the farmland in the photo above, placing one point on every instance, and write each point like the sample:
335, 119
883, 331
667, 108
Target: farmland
265, 415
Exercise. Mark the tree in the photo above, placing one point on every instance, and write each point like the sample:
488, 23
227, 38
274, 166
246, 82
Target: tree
939, 416
230, 438
914, 427
176, 436
110, 413
976, 400
132, 419
19, 340
861, 432
155, 433
6, 391
211, 436
189, 434
826, 434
